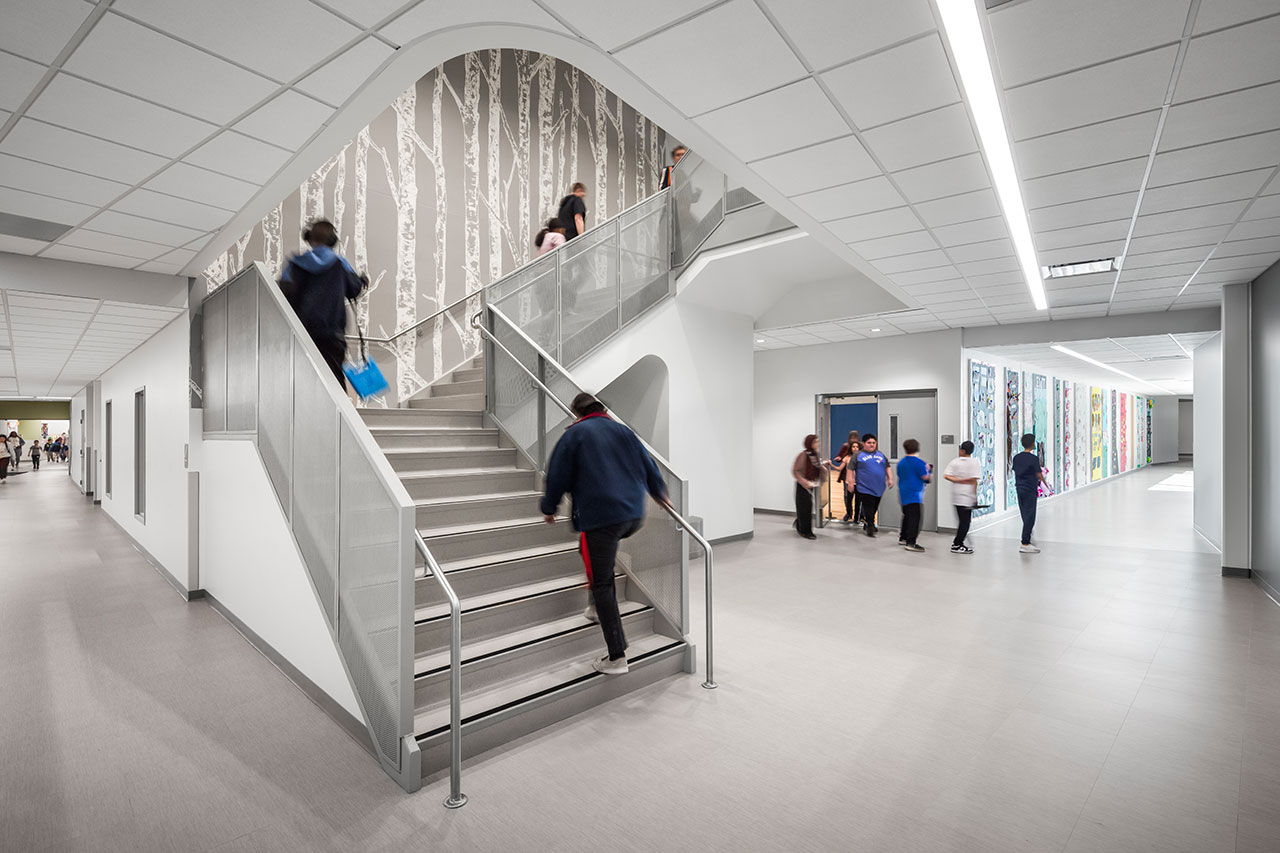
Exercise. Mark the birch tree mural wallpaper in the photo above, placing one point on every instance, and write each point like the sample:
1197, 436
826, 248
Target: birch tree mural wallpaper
443, 192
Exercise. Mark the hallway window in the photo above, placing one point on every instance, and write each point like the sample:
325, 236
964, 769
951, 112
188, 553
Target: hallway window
107, 455
140, 454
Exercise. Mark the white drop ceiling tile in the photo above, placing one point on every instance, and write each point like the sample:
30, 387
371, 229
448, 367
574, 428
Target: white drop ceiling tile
1226, 13
187, 181
338, 78
917, 261
1260, 246
1255, 228
179, 211
923, 279
43, 207
870, 226
1099, 232
1090, 182
1140, 306
1223, 117
98, 241
1183, 270
1216, 158
996, 279
20, 245
1077, 213
132, 58
1177, 239
1061, 297
983, 251
1078, 253
89, 256
938, 135
1098, 310
965, 207
1108, 141
1243, 185
905, 80
40, 36
1040, 38
18, 77
898, 244
713, 68
1003, 292
1232, 263
836, 162
850, 199
961, 175
973, 231
952, 284
266, 37
20, 174
56, 146
1196, 217
1265, 207
858, 27
151, 230
424, 18
91, 109
780, 120
1169, 256
987, 266
1113, 89
239, 156
288, 120
1230, 59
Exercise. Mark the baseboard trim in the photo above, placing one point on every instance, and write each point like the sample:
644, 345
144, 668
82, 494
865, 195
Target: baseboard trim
1233, 572
340, 715
187, 594
764, 511
737, 537
1271, 591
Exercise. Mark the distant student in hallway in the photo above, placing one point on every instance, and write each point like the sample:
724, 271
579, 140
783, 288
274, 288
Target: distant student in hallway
873, 477
807, 472
35, 455
19, 445
845, 462
573, 211
1027, 478
963, 473
550, 237
913, 475
606, 471
5, 454
676, 154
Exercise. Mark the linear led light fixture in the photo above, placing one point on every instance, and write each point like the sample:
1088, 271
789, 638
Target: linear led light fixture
1104, 366
1082, 268
964, 34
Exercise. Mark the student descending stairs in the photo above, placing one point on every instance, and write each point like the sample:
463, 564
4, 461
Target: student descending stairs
527, 644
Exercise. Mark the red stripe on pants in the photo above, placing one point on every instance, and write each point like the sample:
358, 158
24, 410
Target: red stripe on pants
586, 555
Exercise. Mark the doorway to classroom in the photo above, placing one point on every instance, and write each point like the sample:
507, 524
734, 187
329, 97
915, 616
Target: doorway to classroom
893, 417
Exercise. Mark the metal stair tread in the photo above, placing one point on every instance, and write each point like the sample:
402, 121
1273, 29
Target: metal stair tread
428, 429
476, 705
466, 499
501, 596
509, 556
441, 451
458, 472
430, 533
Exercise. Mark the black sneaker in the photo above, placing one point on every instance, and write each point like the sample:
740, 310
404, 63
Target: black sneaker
961, 549
918, 549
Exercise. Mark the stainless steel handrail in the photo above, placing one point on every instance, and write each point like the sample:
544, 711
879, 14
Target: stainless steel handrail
710, 683
417, 325
456, 799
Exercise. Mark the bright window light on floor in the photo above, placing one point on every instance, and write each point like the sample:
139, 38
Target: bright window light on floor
1106, 366
964, 34
1082, 268
1184, 482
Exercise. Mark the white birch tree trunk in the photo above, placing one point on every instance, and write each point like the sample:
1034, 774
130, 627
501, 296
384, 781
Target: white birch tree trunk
272, 245
408, 380
546, 139
496, 205
442, 218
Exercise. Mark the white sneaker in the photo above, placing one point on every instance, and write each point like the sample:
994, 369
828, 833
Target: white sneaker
1028, 549
610, 667
590, 614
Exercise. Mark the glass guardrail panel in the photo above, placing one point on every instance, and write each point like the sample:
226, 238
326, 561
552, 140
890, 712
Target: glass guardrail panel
588, 292
521, 278
698, 204
644, 257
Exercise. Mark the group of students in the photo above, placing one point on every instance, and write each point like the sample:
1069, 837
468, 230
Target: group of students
13, 448
865, 473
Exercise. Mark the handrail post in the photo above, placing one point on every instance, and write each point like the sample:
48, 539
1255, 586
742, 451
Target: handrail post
456, 799
542, 413
617, 265
559, 304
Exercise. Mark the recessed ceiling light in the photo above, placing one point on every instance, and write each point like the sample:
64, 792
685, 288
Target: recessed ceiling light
964, 34
1081, 268
759, 340
1105, 366
875, 330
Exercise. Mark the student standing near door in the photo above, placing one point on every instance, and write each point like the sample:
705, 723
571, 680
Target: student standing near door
913, 475
805, 471
873, 477
963, 472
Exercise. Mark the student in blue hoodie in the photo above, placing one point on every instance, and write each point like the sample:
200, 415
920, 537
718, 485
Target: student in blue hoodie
606, 471
317, 284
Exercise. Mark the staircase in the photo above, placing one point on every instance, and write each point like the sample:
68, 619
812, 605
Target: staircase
527, 646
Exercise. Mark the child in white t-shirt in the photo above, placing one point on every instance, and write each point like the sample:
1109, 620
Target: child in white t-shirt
963, 473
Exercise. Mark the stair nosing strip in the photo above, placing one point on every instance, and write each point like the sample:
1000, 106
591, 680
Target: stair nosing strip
482, 608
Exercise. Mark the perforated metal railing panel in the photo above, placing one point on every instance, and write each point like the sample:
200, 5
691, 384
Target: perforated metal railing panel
275, 399
242, 349
215, 361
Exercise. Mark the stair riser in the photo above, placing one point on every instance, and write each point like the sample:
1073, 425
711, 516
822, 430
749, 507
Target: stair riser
499, 576
467, 402
463, 546
464, 512
427, 418
478, 625
468, 374
458, 388
486, 734
438, 441
433, 690
464, 485
469, 458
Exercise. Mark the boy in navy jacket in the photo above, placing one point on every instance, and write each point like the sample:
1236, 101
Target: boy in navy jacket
603, 466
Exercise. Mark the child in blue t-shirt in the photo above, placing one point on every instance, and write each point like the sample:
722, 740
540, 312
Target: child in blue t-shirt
872, 475
913, 474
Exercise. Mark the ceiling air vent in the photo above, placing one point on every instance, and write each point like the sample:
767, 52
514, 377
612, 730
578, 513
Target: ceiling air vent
1081, 268
31, 229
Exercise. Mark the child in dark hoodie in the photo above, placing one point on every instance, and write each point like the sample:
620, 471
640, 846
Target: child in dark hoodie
317, 283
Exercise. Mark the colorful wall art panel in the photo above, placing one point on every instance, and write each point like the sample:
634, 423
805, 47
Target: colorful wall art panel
1064, 444
983, 432
1124, 432
1012, 433
1113, 436
1096, 466
1081, 456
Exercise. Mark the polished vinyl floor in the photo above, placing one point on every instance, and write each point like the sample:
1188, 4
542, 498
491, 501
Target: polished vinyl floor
1111, 693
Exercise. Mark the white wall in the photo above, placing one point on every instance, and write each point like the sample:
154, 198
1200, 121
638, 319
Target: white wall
75, 434
708, 358
788, 380
250, 564
160, 366
1208, 440
1164, 429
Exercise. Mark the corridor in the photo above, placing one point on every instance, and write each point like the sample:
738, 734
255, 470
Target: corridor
1111, 693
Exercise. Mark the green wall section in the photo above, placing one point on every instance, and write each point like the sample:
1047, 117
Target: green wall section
43, 410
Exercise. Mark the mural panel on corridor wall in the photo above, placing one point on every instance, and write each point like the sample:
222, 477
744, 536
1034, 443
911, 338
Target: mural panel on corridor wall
982, 431
444, 191
1013, 429
1040, 416
1095, 434
1066, 433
